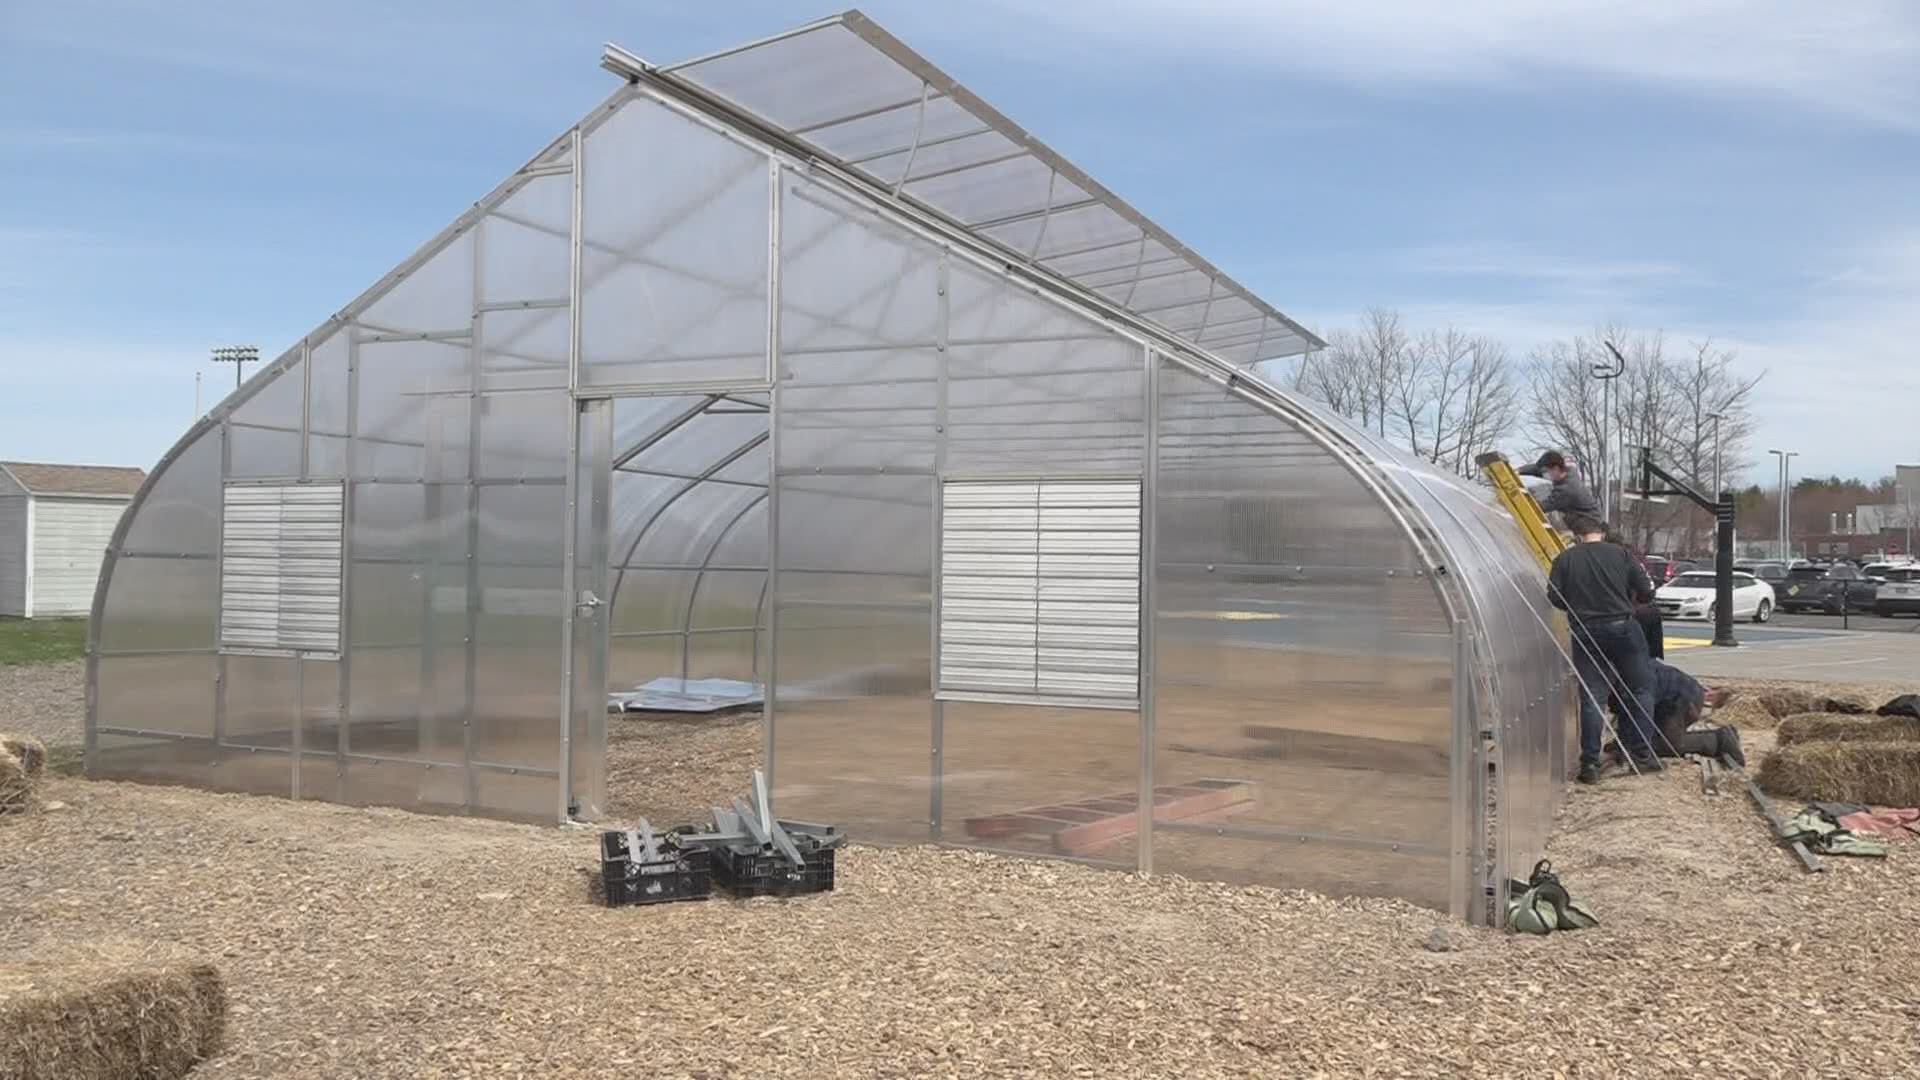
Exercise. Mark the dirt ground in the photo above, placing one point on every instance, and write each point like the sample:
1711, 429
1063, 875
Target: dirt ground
376, 943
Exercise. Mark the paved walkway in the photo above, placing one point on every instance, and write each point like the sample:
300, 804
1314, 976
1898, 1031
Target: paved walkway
1826, 655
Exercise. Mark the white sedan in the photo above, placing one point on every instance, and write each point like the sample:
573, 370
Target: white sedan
1691, 596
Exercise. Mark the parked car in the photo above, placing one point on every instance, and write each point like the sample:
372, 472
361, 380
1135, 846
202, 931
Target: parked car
1831, 589
1692, 595
1676, 567
1899, 594
1878, 570
1773, 573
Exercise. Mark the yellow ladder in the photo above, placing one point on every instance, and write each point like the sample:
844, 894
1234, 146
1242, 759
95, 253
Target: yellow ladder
1541, 536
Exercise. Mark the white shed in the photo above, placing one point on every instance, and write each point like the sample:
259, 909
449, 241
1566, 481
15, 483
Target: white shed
55, 524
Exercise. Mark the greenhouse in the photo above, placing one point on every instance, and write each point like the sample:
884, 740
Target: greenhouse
795, 376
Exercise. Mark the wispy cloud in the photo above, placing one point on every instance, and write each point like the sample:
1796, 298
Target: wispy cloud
1852, 59
1573, 273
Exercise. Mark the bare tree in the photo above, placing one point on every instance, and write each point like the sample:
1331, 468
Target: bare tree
1443, 395
1708, 384
1659, 402
1489, 411
1564, 409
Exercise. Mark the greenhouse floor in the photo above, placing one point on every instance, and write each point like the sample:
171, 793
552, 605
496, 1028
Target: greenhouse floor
363, 943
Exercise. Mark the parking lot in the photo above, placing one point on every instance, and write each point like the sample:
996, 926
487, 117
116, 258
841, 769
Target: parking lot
1900, 624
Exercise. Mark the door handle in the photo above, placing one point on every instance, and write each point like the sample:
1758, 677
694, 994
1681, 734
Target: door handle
587, 601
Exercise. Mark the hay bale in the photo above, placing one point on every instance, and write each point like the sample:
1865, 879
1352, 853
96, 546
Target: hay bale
108, 1015
16, 787
31, 752
1782, 702
1870, 773
1838, 727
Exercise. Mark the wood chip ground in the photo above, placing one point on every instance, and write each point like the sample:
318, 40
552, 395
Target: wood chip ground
376, 943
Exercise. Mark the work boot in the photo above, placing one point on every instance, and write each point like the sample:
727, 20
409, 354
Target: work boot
1730, 745
1589, 772
1647, 761
1714, 742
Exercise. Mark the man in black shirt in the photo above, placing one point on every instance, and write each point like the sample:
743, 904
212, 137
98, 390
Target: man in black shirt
1598, 585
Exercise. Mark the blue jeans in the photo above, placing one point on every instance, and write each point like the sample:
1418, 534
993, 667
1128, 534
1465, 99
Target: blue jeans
1622, 659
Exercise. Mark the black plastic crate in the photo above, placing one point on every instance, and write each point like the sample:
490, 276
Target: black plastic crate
751, 872
677, 874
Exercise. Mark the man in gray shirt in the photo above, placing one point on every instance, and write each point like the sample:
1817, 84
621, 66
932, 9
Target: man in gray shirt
1598, 584
1569, 495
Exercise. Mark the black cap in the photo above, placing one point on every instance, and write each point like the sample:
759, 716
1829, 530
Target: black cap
1552, 459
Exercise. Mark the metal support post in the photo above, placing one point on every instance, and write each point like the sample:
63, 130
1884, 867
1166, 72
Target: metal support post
345, 704
219, 595
299, 722
569, 573
1149, 530
1723, 521
936, 808
469, 633
771, 697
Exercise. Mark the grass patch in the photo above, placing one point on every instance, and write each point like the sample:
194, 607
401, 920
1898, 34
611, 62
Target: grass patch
42, 641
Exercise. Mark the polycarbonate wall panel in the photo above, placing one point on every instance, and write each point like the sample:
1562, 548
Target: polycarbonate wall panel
860, 331
159, 603
322, 776
265, 428
524, 277
154, 720
516, 711
327, 392
1301, 654
260, 702
1043, 781
897, 367
1519, 642
852, 734
674, 255
1035, 388
181, 512
453, 605
413, 415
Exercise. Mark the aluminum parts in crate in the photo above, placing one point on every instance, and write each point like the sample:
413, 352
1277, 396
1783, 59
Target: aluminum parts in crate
755, 853
639, 867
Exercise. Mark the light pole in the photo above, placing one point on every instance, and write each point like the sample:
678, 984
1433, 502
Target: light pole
1716, 417
1786, 500
237, 355
1607, 373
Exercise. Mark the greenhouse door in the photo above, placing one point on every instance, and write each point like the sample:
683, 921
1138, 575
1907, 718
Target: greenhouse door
667, 567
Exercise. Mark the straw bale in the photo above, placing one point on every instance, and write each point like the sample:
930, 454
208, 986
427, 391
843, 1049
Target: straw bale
1871, 773
1836, 727
16, 787
31, 752
108, 1014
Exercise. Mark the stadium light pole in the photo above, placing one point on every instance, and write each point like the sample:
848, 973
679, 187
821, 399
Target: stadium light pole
1607, 373
1786, 499
239, 356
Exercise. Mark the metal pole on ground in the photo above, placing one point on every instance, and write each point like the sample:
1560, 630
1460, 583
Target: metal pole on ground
1723, 520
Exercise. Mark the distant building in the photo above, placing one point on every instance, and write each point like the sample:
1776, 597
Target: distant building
55, 524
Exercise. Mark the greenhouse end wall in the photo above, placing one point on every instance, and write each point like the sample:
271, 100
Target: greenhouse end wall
680, 374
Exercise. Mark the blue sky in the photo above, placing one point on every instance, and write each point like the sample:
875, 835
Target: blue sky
175, 176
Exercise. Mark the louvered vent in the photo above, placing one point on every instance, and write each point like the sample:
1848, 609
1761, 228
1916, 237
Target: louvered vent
280, 567
1040, 588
